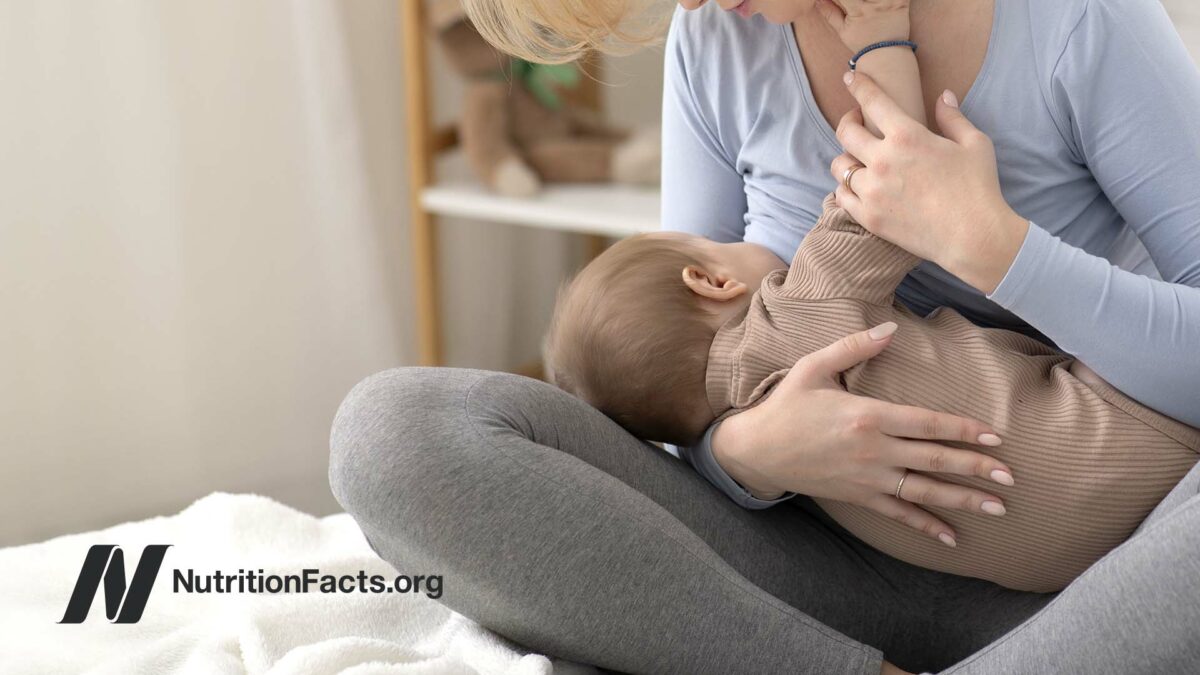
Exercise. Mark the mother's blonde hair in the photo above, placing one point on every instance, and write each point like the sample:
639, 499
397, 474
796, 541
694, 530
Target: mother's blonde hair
557, 31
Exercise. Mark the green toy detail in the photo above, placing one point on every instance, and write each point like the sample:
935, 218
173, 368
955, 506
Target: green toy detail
544, 81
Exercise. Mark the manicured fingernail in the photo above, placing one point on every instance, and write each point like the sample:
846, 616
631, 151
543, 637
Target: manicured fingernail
1002, 477
947, 540
949, 98
989, 439
993, 508
848, 78
882, 330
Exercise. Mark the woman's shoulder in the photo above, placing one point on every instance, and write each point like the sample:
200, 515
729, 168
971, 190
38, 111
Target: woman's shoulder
1051, 23
1054, 25
708, 37
729, 73
1068, 40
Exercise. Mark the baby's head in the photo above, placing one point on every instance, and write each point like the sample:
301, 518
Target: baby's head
632, 331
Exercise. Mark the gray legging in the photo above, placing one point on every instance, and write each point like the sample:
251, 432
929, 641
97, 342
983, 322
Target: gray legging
555, 528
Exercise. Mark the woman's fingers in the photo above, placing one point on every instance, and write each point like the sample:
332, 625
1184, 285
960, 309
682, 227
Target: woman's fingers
855, 138
905, 421
925, 491
877, 105
937, 458
822, 366
850, 201
845, 162
841, 165
953, 124
850, 197
915, 517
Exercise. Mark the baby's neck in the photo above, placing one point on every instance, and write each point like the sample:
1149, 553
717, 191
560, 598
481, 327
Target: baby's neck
722, 312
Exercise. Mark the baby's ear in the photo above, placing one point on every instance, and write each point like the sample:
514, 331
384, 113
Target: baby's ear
705, 284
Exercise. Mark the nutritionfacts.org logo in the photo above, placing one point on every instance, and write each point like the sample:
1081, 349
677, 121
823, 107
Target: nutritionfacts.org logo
125, 600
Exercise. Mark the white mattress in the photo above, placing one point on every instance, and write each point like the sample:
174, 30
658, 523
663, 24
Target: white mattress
216, 634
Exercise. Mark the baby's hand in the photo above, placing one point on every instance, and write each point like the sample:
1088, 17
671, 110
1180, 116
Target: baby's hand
861, 23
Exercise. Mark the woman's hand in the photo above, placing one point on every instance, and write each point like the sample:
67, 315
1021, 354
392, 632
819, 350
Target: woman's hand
812, 437
938, 198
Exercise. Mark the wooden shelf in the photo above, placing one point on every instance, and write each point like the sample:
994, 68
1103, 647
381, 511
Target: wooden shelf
607, 210
439, 185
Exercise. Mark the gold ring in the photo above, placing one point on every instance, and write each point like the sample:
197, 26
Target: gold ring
849, 175
900, 485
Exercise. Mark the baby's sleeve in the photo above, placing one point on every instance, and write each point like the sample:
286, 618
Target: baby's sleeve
839, 259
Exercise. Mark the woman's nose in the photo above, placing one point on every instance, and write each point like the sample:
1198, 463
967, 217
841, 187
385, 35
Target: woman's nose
691, 4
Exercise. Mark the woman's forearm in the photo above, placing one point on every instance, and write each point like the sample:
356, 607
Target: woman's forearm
1140, 334
988, 250
726, 439
723, 473
1131, 109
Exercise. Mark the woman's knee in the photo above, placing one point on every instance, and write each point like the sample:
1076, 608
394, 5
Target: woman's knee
387, 440
415, 451
388, 430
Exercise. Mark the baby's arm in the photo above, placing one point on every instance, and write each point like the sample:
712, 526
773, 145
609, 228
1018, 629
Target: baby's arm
839, 258
860, 23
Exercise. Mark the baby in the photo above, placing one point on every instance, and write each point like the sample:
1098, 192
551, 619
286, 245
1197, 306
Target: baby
667, 333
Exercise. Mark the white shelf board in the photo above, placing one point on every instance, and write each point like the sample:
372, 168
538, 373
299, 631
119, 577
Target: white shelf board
604, 209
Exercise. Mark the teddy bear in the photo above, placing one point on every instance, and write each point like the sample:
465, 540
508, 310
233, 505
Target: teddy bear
517, 129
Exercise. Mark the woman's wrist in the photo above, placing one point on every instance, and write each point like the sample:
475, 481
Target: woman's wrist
984, 262
730, 441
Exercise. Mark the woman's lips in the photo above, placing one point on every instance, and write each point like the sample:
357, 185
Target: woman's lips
743, 10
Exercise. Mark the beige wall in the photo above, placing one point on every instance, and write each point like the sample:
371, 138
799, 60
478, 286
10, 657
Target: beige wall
1186, 14
202, 248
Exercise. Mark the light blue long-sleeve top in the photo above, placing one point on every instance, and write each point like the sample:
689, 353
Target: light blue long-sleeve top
1094, 108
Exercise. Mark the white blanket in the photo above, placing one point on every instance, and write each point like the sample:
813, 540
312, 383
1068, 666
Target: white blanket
215, 634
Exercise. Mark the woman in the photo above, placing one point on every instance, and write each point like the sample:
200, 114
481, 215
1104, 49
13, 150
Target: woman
558, 530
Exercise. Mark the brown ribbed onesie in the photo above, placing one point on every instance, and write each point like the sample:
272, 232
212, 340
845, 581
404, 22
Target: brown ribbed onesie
1090, 463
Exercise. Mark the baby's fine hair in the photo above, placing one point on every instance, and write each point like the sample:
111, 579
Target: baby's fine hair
630, 338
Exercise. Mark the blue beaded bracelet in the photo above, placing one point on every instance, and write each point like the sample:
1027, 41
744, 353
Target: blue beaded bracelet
880, 45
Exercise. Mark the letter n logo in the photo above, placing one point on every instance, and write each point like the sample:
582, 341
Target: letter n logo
122, 604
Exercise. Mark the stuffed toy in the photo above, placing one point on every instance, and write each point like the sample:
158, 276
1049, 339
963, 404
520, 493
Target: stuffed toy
518, 129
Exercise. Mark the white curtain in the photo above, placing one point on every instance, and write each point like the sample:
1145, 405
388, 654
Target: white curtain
203, 247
